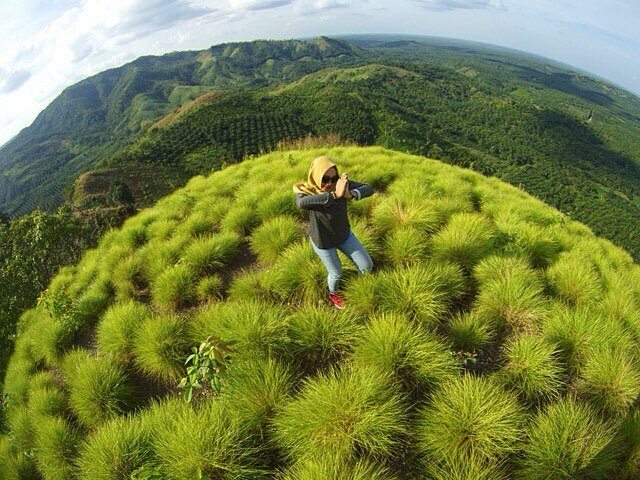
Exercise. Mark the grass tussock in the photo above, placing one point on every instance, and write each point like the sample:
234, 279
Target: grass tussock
100, 389
470, 418
341, 412
568, 440
415, 358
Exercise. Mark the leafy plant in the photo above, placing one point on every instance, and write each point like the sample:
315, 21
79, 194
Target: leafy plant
207, 363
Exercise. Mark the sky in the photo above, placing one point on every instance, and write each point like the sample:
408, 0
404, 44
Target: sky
47, 45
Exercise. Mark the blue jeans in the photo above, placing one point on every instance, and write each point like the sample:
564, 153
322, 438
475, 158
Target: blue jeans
353, 249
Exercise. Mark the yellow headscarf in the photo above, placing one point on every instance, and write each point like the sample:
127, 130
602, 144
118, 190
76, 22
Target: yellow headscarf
313, 185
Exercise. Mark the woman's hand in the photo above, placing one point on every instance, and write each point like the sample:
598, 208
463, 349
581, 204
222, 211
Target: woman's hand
342, 185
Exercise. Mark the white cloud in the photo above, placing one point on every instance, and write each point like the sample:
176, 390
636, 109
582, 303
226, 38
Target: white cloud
258, 4
47, 45
10, 81
443, 5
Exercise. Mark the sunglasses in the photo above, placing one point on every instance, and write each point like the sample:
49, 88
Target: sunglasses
333, 179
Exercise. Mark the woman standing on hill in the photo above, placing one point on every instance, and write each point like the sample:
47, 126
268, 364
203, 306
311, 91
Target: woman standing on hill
325, 195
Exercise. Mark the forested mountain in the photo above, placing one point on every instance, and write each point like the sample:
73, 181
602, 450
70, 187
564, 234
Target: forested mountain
90, 120
570, 139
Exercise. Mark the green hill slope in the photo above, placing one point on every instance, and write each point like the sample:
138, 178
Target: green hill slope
495, 338
511, 131
92, 119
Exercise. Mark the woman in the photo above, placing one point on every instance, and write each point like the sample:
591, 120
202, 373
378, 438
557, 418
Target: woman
325, 196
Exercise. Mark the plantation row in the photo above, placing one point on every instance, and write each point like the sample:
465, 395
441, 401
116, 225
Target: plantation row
495, 338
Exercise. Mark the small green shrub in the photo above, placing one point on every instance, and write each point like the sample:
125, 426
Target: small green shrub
418, 360
531, 368
567, 441
117, 327
269, 240
319, 337
159, 346
175, 287
341, 412
470, 417
99, 389
206, 364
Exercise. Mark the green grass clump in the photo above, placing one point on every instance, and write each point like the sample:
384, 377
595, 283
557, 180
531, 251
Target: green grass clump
210, 288
573, 279
213, 251
128, 277
422, 291
531, 368
579, 332
160, 345
56, 447
46, 400
159, 256
175, 287
207, 441
470, 418
117, 327
469, 331
500, 265
298, 276
610, 380
392, 212
464, 469
275, 204
513, 300
405, 245
100, 389
630, 430
415, 358
328, 467
319, 337
269, 240
340, 412
240, 219
567, 441
531, 242
255, 326
256, 386
465, 240
114, 450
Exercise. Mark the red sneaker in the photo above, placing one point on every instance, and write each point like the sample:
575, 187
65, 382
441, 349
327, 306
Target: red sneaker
336, 299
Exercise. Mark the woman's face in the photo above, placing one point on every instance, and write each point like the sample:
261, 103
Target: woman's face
327, 186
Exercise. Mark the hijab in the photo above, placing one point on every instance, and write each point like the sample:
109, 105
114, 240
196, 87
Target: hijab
313, 184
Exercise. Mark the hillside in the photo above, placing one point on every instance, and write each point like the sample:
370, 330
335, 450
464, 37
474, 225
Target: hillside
495, 338
542, 141
565, 137
92, 119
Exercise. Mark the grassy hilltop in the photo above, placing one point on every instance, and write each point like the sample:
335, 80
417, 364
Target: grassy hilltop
495, 338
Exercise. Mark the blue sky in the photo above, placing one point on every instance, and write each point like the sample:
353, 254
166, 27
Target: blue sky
46, 45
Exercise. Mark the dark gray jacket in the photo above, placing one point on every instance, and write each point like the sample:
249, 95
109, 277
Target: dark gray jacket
328, 222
